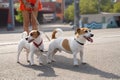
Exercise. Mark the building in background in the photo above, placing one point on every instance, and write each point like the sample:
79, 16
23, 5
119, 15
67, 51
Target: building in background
115, 0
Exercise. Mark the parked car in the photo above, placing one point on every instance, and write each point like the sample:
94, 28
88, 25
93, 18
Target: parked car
48, 18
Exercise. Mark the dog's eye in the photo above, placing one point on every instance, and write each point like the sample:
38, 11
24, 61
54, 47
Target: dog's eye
31, 34
89, 30
86, 31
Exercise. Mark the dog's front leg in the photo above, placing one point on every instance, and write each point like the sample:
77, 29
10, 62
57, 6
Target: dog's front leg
31, 58
81, 57
75, 61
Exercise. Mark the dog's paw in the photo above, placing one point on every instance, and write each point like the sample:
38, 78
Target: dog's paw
28, 61
32, 64
49, 62
40, 63
76, 65
83, 63
54, 60
18, 62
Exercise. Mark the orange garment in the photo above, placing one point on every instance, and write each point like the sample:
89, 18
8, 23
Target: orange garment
22, 5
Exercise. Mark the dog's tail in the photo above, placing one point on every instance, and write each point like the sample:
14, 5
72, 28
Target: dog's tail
24, 35
57, 33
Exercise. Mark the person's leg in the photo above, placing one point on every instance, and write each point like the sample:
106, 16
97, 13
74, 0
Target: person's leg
26, 21
33, 20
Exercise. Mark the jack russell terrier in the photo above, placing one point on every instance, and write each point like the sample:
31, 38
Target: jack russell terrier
71, 45
33, 44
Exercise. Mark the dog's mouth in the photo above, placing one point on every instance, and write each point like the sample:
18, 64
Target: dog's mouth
31, 40
88, 38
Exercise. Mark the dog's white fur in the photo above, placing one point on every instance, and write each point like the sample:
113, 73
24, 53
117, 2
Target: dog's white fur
69, 45
27, 43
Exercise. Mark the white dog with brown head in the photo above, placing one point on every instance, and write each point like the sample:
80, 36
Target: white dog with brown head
33, 43
70, 45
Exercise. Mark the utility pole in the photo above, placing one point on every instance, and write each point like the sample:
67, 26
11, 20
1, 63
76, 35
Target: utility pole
99, 1
11, 12
76, 14
63, 9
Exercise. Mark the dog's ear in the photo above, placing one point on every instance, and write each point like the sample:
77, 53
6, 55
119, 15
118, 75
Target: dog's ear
77, 31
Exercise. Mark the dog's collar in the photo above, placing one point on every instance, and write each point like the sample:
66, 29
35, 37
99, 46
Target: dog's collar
78, 42
37, 45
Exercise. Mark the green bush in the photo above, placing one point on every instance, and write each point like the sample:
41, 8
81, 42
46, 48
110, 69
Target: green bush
116, 7
18, 16
69, 13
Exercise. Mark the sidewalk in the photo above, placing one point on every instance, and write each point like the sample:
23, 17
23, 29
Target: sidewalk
12, 37
42, 27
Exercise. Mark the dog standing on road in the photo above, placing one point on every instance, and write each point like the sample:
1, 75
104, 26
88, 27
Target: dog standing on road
33, 43
70, 45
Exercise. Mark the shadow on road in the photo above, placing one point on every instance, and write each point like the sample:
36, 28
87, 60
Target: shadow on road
87, 68
66, 63
48, 71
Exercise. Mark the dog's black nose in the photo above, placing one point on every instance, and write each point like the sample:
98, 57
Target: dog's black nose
26, 38
92, 35
41, 50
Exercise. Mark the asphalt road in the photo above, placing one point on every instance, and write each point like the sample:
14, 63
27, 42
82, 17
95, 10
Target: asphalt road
102, 58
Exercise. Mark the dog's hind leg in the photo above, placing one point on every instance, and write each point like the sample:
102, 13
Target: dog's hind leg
48, 57
52, 56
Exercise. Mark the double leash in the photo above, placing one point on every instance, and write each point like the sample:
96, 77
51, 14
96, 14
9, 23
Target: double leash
32, 6
37, 45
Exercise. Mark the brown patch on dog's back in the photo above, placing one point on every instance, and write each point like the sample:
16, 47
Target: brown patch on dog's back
66, 45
